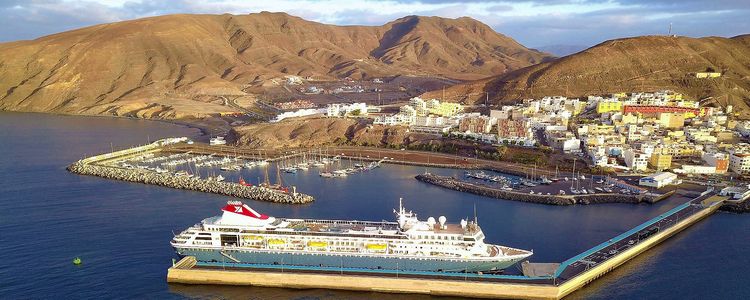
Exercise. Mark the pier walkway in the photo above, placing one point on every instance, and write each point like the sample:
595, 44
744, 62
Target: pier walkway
569, 276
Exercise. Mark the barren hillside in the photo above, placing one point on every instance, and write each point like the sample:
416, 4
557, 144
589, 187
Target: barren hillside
175, 66
633, 64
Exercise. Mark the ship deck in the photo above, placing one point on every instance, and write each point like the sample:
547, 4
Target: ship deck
340, 226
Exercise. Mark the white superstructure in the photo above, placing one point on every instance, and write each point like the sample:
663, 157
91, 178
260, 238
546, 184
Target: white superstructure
241, 234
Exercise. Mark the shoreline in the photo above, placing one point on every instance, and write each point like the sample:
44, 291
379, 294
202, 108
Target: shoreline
203, 130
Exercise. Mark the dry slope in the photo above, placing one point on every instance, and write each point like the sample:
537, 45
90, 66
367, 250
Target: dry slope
177, 65
633, 64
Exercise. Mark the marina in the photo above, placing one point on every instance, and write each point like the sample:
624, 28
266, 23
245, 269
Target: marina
152, 164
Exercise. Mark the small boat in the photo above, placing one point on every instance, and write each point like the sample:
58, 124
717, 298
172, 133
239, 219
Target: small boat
242, 182
326, 174
219, 178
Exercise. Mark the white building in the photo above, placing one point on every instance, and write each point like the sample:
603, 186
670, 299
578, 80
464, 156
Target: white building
572, 145
739, 162
635, 160
658, 180
299, 113
344, 109
696, 170
500, 114
736, 192
430, 120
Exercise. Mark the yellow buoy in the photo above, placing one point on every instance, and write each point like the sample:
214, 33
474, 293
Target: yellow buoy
77, 261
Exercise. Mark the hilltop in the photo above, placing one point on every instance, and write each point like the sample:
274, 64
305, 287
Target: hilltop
644, 63
179, 65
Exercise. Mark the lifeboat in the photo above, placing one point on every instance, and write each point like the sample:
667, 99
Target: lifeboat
376, 247
276, 242
252, 238
317, 244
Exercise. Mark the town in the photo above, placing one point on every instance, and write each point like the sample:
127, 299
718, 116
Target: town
660, 135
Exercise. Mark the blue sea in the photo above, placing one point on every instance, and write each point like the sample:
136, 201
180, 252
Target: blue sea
122, 230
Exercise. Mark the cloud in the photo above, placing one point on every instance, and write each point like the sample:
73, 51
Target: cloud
531, 22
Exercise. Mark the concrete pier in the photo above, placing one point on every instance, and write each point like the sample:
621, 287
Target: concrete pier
482, 190
568, 276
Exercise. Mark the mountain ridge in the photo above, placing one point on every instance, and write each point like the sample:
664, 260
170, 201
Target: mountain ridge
644, 63
174, 66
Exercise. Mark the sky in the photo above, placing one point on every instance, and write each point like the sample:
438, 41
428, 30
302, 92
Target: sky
534, 23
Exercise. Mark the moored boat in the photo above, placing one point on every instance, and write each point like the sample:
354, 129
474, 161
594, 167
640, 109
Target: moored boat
244, 237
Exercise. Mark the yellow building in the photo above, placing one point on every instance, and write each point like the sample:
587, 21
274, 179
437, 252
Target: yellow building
687, 103
619, 95
601, 129
707, 75
630, 119
447, 109
660, 162
608, 106
672, 120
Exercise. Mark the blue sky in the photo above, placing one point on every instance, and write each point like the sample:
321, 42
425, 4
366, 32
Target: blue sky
534, 23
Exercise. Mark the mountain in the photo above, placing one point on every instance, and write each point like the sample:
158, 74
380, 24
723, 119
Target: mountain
175, 66
561, 50
644, 63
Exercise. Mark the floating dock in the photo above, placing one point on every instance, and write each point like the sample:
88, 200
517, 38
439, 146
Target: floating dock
559, 281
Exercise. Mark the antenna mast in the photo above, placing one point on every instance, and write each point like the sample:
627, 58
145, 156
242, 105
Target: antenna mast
475, 214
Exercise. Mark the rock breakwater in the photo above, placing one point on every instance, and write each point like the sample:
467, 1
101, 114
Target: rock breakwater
190, 183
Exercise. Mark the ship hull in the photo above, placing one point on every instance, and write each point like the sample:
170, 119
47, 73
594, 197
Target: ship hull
347, 260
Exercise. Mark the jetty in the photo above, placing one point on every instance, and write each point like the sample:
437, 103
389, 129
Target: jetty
539, 281
553, 199
110, 166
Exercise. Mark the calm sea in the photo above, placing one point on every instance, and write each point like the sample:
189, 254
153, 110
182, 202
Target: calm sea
122, 230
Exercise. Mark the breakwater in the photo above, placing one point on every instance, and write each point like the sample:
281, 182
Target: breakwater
463, 186
189, 183
736, 207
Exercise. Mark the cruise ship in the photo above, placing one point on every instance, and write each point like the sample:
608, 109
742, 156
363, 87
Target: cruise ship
243, 236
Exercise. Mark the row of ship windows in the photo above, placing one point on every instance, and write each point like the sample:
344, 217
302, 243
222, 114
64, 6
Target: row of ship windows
444, 237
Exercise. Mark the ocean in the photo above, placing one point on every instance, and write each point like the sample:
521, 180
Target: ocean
121, 231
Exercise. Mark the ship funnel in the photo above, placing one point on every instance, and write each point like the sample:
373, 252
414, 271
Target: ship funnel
442, 221
431, 221
463, 223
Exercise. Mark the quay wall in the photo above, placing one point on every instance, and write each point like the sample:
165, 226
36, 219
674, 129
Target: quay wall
594, 273
189, 183
462, 186
437, 287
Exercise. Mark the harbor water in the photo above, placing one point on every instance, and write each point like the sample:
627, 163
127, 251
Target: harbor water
121, 231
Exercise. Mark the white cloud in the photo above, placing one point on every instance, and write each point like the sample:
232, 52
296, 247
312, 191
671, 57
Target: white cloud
532, 22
